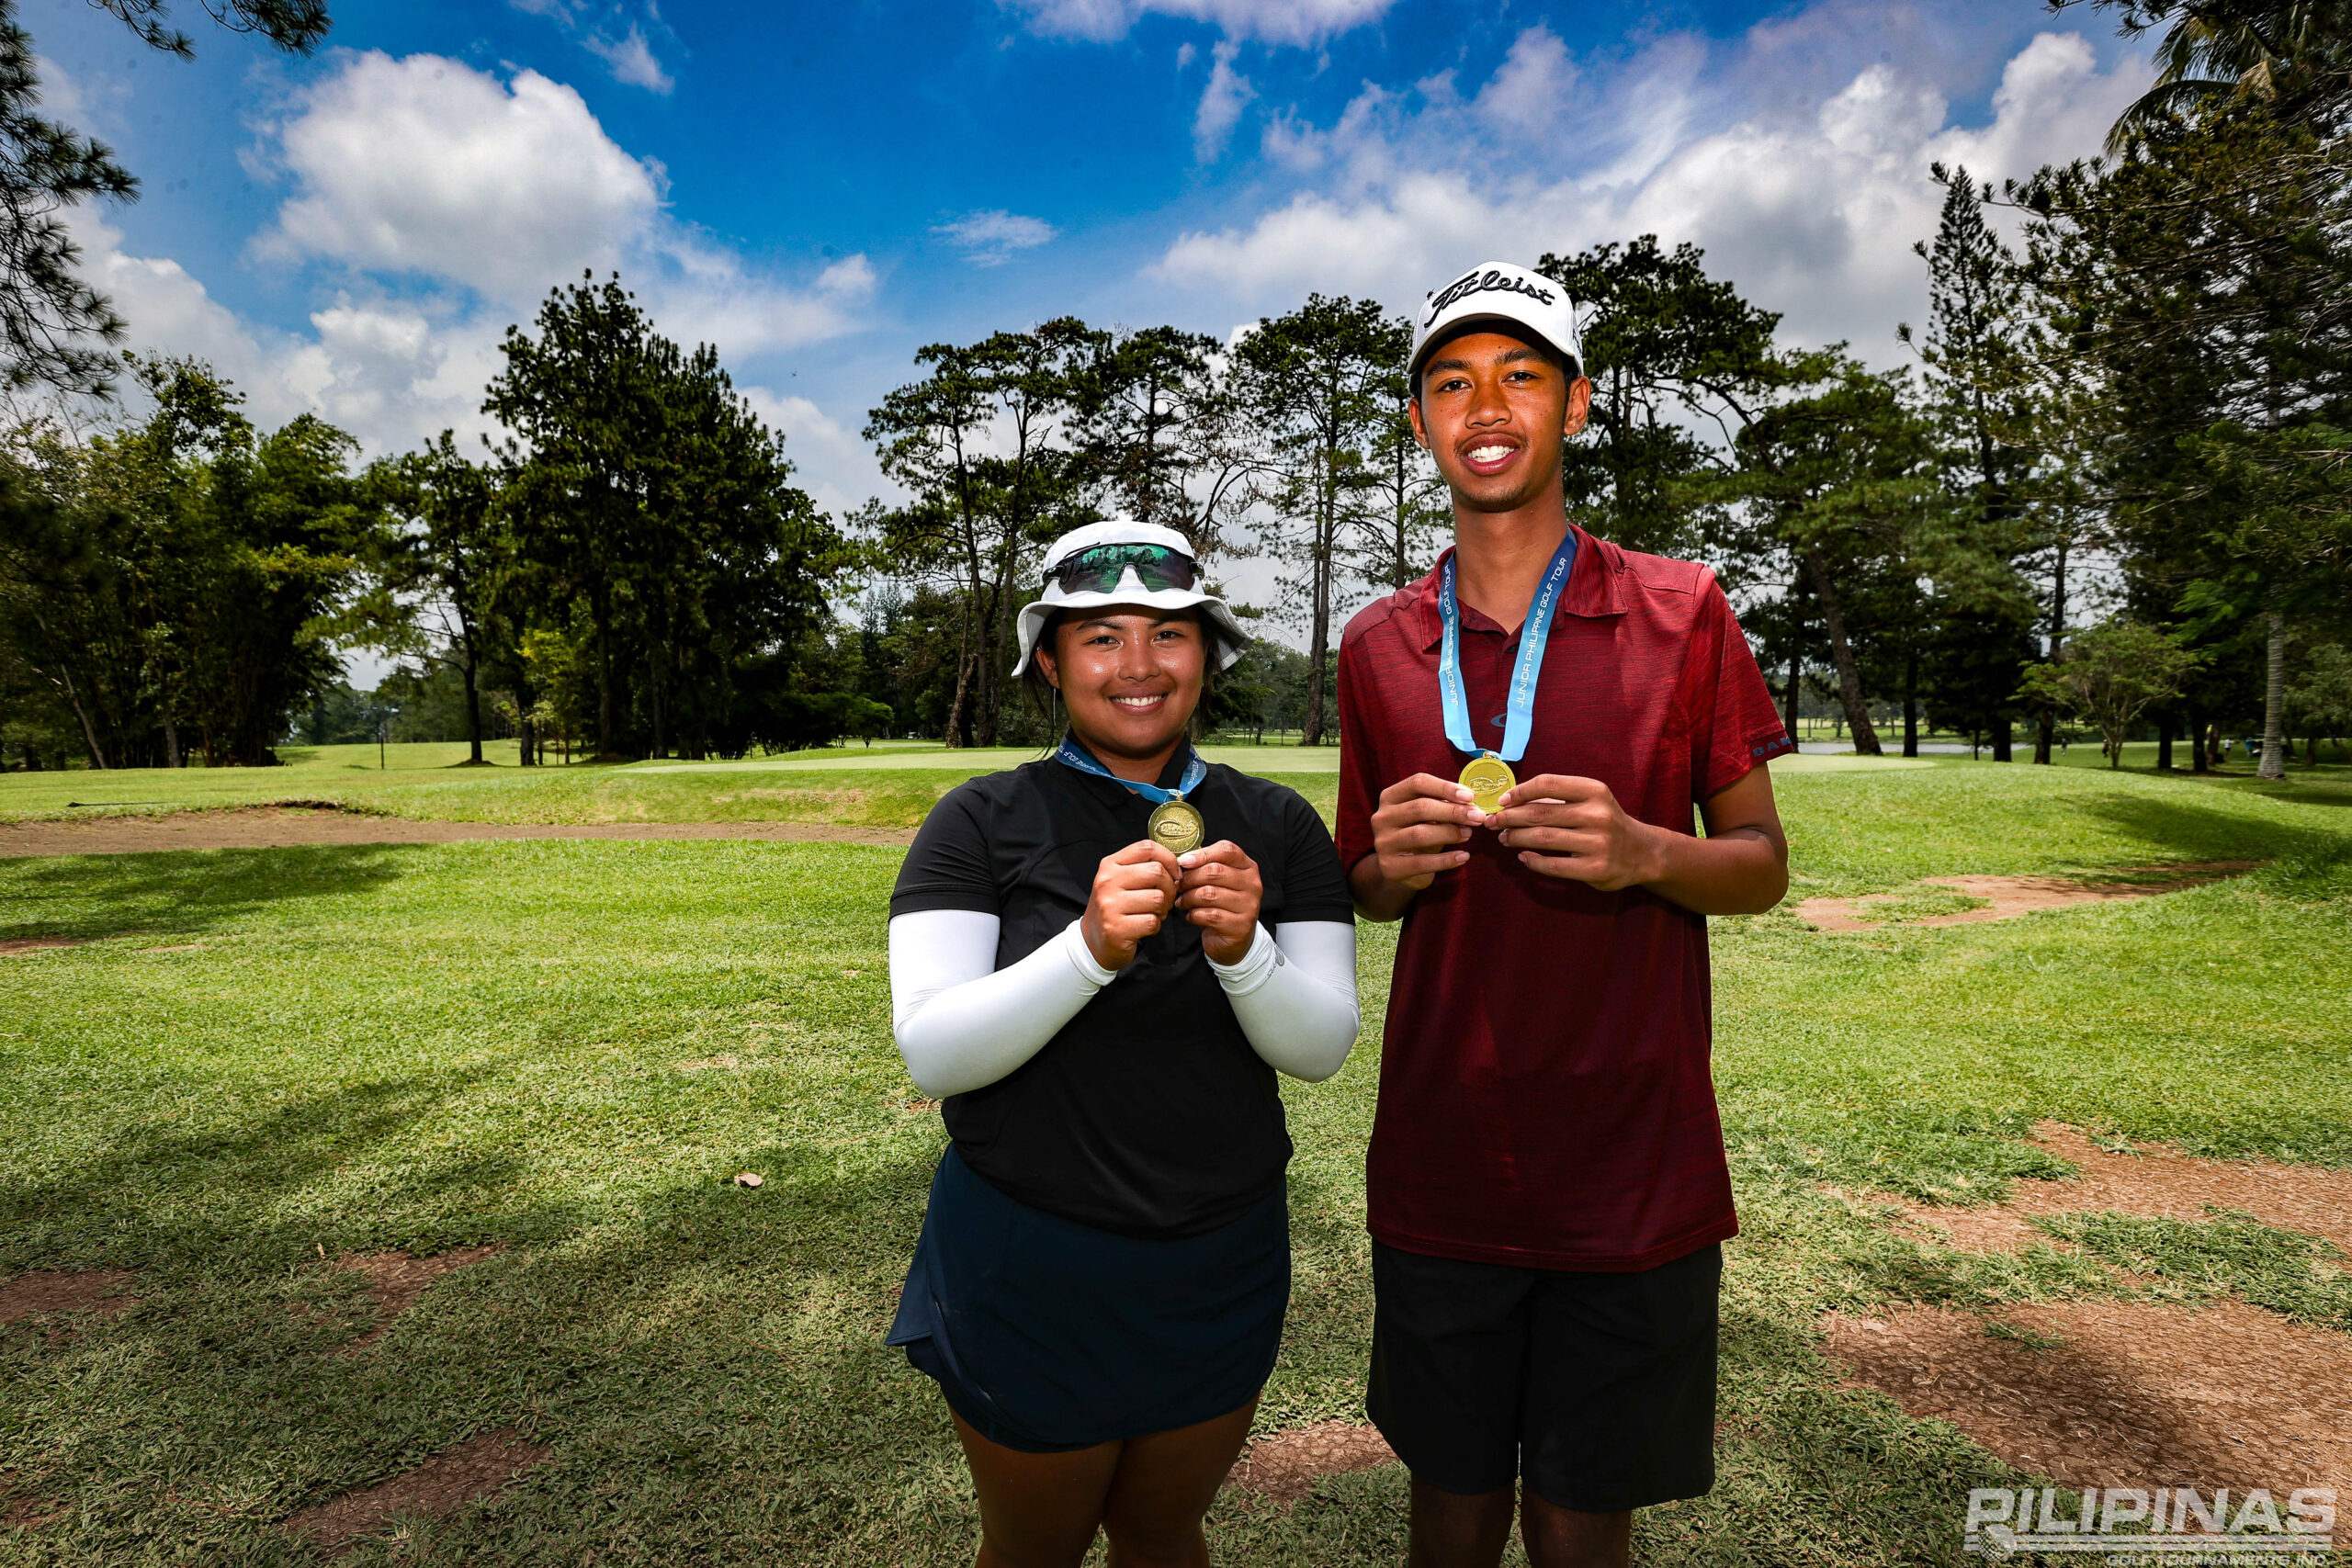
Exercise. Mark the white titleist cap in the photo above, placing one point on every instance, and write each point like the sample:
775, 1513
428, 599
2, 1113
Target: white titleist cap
1130, 588
1502, 297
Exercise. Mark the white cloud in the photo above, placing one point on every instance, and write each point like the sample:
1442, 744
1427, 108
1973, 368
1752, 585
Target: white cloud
991, 239
60, 95
389, 372
166, 307
698, 293
1809, 206
437, 204
424, 166
830, 461
1530, 91
427, 166
631, 58
1222, 101
1273, 21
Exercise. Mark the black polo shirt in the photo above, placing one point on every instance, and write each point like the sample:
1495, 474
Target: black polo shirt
1149, 1113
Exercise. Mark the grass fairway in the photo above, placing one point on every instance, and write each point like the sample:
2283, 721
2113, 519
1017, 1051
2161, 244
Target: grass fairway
889, 785
261, 1060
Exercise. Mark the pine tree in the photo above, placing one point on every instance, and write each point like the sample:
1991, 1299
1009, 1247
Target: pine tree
55, 328
1981, 388
1321, 381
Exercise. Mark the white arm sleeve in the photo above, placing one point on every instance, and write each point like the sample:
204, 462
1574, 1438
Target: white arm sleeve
1295, 992
961, 1022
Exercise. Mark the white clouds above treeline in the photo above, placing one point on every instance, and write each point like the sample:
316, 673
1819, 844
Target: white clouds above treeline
422, 202
437, 203
1809, 205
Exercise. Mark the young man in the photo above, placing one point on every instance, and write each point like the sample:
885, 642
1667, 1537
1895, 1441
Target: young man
1547, 1187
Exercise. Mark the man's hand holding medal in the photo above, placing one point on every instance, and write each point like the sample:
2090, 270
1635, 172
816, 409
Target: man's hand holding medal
1561, 826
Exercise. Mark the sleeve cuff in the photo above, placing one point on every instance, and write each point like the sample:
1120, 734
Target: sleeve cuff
1256, 965
1083, 960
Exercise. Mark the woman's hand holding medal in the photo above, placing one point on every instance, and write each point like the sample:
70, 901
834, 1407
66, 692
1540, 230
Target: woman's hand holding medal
1220, 893
1218, 889
1133, 892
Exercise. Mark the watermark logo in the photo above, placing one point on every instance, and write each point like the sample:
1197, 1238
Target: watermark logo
2165, 1525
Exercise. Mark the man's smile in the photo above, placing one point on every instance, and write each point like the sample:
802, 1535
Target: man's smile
1489, 455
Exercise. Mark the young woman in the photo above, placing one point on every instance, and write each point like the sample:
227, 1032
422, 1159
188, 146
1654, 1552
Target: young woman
1098, 963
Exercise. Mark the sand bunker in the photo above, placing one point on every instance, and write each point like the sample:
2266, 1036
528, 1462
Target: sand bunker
289, 827
1283, 1467
2151, 1182
48, 1291
2130, 1394
395, 1279
2013, 895
461, 1474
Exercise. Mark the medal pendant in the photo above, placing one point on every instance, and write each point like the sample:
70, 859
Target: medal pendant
1177, 827
1487, 778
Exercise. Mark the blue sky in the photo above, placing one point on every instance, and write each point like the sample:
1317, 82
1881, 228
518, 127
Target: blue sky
822, 189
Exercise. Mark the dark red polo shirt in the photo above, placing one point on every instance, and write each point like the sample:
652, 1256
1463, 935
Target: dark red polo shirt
1545, 1098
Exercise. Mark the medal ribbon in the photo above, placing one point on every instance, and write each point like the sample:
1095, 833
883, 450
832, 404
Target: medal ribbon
1518, 723
1072, 755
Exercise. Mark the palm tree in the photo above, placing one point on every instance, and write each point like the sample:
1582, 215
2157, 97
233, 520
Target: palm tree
2289, 53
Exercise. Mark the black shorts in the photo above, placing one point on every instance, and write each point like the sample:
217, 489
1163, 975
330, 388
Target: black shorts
1600, 1389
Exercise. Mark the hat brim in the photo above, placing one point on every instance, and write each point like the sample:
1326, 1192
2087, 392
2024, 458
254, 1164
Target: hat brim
1510, 326
1229, 633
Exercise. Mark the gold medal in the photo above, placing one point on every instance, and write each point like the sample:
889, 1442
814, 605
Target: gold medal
1177, 827
1487, 778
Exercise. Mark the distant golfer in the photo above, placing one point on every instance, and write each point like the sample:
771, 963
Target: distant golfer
1098, 963
1525, 735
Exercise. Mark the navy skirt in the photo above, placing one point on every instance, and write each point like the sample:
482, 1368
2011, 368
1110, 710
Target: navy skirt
1046, 1335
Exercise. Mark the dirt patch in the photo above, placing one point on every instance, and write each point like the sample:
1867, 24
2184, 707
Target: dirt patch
36, 943
705, 1064
29, 1511
276, 827
395, 1279
2122, 1394
66, 1290
2012, 896
1284, 1466
462, 1474
2151, 1182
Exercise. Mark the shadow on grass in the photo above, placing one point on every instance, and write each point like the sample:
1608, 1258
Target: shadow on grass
93, 896
221, 1195
707, 1363
2182, 829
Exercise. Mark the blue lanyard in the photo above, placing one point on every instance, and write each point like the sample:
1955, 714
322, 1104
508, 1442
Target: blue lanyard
1076, 756
1518, 722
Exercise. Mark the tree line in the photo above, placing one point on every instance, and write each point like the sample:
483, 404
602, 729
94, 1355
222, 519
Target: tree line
2107, 487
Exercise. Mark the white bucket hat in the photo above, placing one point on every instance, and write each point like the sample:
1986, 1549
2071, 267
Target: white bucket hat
1503, 295
1128, 590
